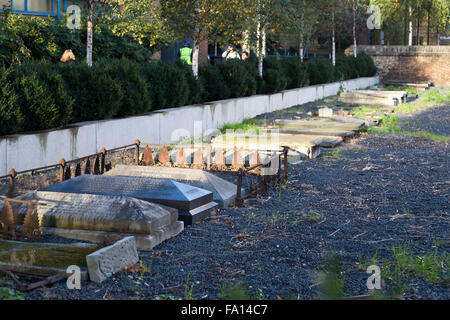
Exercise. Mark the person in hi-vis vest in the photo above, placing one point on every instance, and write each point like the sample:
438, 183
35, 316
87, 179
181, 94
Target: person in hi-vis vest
185, 54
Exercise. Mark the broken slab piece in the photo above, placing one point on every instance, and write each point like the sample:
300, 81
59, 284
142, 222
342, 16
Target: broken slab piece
97, 218
44, 258
105, 262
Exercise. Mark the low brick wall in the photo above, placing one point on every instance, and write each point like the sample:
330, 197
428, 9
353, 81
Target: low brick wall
410, 63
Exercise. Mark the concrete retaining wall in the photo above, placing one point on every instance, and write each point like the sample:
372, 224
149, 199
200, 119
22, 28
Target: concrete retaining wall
28, 151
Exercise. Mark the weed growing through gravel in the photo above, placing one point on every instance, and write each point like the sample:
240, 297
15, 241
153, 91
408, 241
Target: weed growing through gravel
335, 154
404, 265
332, 287
188, 289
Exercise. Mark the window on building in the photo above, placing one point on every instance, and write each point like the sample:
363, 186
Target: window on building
34, 7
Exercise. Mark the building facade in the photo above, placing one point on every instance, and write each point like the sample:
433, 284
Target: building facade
54, 8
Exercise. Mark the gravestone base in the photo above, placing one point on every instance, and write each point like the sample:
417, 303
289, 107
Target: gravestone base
143, 242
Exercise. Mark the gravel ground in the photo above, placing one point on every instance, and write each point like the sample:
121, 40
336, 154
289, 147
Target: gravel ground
432, 120
378, 192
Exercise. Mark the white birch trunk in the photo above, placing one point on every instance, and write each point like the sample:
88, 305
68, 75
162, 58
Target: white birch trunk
90, 35
259, 49
355, 44
410, 29
333, 54
245, 42
195, 53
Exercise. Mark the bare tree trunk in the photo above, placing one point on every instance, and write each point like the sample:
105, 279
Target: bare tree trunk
418, 31
195, 53
333, 54
300, 48
90, 34
355, 49
428, 26
410, 29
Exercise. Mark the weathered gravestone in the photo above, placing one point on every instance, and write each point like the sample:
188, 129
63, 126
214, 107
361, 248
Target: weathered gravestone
192, 203
45, 258
105, 262
99, 218
224, 192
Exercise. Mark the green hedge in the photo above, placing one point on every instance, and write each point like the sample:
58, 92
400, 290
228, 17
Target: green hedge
40, 95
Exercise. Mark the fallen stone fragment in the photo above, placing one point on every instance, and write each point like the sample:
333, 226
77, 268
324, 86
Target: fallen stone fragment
105, 262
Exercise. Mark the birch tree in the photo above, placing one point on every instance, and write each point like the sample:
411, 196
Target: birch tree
304, 19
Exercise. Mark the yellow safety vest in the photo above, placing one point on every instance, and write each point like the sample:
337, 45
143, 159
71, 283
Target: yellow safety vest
185, 55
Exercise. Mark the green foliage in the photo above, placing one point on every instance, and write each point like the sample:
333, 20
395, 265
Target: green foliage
126, 74
36, 95
215, 87
10, 294
295, 71
40, 93
97, 95
274, 76
167, 84
237, 78
345, 68
24, 38
320, 70
365, 65
389, 124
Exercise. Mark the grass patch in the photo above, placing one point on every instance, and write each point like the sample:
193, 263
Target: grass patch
410, 90
404, 262
389, 124
364, 111
427, 135
335, 154
245, 126
434, 96
405, 108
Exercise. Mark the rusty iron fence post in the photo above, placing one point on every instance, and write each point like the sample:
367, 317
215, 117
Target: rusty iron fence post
238, 201
62, 167
12, 176
102, 160
285, 153
137, 144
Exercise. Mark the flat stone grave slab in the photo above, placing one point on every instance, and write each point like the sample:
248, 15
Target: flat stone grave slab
224, 192
95, 218
308, 149
45, 258
192, 203
271, 139
322, 124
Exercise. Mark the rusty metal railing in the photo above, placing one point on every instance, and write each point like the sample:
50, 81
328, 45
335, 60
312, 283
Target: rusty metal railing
264, 180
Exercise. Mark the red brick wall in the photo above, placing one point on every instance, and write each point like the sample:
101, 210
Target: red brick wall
203, 52
411, 63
